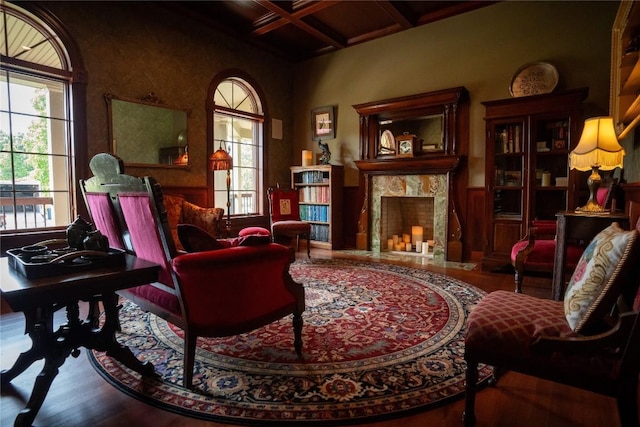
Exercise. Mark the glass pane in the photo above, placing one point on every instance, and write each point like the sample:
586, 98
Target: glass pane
224, 94
27, 43
247, 179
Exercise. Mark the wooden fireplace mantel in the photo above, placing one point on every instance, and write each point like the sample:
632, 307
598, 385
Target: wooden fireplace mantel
408, 113
409, 165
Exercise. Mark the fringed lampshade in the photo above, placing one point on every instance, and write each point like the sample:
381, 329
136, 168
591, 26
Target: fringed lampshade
598, 148
220, 160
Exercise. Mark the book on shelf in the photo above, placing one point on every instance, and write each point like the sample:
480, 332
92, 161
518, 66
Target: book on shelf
313, 177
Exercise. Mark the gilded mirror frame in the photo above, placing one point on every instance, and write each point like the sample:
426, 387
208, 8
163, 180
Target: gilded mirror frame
147, 132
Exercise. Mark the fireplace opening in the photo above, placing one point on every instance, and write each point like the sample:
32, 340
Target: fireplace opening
398, 215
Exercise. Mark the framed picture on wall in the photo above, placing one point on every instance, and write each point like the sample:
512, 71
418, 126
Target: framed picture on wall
323, 125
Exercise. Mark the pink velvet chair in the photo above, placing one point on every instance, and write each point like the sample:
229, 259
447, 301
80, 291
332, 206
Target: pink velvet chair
214, 293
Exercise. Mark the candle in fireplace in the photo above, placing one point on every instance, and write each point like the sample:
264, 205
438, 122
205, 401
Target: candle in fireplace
416, 233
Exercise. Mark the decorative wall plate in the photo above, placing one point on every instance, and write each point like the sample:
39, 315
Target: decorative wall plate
534, 79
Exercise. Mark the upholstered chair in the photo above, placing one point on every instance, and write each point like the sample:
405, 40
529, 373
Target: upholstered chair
284, 213
591, 340
535, 253
232, 289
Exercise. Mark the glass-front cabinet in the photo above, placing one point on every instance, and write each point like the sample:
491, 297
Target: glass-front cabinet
527, 171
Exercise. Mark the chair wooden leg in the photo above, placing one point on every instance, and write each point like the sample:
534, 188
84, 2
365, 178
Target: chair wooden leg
518, 280
297, 333
189, 358
471, 387
308, 247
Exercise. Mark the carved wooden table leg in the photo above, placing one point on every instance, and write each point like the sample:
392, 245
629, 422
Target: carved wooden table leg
107, 339
55, 347
38, 322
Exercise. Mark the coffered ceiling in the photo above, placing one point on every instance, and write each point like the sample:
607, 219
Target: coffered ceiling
302, 29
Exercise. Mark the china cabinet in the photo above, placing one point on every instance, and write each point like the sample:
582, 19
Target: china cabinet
527, 173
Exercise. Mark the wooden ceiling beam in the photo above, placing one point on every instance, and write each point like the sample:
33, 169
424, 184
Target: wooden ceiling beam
295, 18
395, 14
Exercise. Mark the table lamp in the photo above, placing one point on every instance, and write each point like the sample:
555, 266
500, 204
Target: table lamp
221, 160
597, 149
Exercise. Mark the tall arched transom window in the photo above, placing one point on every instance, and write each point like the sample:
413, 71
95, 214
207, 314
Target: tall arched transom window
36, 156
238, 120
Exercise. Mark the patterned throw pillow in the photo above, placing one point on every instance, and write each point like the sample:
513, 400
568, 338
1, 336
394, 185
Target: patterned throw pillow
599, 276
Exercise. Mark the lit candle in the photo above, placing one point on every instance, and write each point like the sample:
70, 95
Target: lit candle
418, 246
399, 247
416, 233
307, 157
396, 239
390, 244
406, 238
408, 246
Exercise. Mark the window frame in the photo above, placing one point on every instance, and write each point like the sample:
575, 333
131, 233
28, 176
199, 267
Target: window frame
238, 220
75, 77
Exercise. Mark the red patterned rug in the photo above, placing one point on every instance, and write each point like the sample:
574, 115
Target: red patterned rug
380, 341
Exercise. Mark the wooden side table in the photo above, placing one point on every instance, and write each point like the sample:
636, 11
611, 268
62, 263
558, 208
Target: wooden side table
40, 298
577, 226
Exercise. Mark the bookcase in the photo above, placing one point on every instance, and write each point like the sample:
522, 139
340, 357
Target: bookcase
320, 200
527, 169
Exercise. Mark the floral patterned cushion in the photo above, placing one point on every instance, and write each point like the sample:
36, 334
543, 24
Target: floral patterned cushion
180, 211
206, 218
599, 276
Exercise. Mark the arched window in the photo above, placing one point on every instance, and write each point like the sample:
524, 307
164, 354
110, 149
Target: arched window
36, 132
237, 117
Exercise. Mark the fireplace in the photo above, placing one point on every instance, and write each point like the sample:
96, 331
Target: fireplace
406, 192
433, 174
400, 202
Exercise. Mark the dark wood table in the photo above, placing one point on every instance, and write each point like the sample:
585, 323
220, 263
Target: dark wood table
40, 298
577, 226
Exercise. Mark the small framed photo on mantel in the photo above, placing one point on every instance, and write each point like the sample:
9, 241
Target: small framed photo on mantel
323, 125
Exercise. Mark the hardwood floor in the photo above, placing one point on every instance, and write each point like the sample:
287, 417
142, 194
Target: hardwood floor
81, 397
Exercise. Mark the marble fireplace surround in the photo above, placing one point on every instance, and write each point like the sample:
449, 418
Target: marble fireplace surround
411, 177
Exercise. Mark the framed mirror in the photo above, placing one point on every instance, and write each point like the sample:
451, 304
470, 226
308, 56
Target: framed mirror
423, 125
147, 132
427, 131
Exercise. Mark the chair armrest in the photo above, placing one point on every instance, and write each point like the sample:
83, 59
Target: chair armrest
538, 230
614, 339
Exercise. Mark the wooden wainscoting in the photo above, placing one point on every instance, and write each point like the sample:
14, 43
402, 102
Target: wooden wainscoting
473, 236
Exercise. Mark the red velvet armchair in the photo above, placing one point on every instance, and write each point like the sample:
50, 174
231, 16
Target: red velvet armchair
535, 253
214, 293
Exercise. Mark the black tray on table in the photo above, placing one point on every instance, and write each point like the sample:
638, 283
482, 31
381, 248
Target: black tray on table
69, 262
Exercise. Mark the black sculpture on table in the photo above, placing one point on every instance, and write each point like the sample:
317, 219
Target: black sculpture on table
326, 154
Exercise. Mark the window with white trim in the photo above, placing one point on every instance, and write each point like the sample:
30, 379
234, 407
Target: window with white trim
36, 163
238, 128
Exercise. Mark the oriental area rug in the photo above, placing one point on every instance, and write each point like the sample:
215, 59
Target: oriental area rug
380, 341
